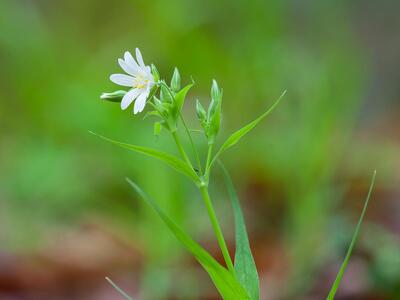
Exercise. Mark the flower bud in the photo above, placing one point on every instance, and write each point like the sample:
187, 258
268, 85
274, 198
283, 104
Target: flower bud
176, 81
214, 113
216, 97
114, 96
155, 73
215, 92
165, 94
201, 113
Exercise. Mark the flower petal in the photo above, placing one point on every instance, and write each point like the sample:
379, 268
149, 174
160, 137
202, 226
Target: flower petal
139, 58
140, 102
127, 67
122, 79
129, 97
148, 71
130, 61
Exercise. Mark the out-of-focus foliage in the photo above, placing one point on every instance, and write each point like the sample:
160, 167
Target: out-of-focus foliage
293, 171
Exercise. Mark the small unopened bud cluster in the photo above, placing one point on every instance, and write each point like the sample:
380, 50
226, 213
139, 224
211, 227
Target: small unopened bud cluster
211, 120
167, 101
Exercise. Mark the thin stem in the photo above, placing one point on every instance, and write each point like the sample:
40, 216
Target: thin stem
208, 163
176, 138
181, 149
121, 291
196, 154
217, 228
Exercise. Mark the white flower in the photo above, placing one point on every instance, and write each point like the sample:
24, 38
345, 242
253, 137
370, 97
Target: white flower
140, 79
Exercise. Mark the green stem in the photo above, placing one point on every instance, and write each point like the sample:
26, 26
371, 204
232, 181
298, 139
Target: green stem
217, 228
181, 149
176, 138
119, 290
208, 163
196, 154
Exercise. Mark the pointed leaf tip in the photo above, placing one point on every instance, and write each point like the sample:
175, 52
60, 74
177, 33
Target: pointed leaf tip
169, 159
237, 135
343, 267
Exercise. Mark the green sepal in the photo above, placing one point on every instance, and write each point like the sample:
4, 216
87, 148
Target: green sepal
202, 117
176, 81
114, 96
165, 95
216, 96
201, 112
215, 91
214, 113
155, 73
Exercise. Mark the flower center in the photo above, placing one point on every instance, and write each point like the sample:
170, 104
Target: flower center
140, 82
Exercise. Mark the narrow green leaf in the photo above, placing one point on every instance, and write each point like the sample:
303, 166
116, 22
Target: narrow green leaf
339, 276
119, 290
225, 282
236, 136
245, 267
180, 99
170, 160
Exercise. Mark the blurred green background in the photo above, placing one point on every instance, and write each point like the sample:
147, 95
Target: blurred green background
67, 216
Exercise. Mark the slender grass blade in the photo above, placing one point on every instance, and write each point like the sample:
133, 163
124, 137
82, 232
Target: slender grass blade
119, 290
343, 267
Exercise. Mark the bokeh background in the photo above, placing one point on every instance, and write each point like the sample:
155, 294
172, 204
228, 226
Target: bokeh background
67, 216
